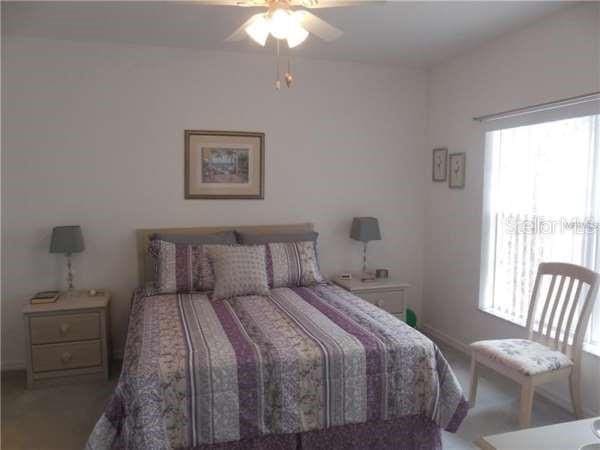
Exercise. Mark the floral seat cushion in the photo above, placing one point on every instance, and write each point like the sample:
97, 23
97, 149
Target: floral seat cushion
528, 357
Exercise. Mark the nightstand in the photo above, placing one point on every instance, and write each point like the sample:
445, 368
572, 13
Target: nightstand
387, 294
68, 340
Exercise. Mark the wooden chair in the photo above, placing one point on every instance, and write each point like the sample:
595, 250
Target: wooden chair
546, 356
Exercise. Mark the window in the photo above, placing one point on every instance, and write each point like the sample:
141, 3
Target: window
542, 204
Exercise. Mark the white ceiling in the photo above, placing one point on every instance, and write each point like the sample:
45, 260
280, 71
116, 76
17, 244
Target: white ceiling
416, 34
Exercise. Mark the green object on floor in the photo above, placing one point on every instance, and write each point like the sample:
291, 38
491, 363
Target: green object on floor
411, 318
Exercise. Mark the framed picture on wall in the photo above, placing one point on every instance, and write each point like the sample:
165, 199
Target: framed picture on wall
457, 166
440, 163
224, 165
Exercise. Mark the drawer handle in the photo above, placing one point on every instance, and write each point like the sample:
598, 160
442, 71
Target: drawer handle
66, 357
64, 328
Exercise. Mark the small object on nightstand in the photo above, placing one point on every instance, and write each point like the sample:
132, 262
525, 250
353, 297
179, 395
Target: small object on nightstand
44, 297
387, 294
92, 292
382, 273
68, 340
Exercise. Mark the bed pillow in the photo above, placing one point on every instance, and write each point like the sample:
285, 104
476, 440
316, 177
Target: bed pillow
222, 238
297, 236
239, 270
180, 267
292, 264
256, 239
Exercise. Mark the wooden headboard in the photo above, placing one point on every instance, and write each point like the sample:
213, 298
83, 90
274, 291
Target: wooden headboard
145, 269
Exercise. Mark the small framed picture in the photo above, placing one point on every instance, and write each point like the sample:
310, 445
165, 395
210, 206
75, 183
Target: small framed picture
224, 165
440, 163
457, 166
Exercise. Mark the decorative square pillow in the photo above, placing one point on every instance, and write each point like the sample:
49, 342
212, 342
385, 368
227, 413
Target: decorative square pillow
239, 270
181, 267
293, 264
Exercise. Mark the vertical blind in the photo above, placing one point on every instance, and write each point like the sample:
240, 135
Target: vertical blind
542, 204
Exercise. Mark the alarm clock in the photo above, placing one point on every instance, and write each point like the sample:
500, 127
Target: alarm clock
382, 273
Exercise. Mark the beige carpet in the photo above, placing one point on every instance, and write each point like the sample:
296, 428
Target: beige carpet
50, 418
62, 417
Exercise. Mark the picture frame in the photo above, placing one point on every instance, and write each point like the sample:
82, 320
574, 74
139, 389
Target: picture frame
224, 165
457, 170
439, 169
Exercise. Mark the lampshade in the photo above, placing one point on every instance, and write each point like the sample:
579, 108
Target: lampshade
67, 239
296, 35
259, 29
279, 23
365, 229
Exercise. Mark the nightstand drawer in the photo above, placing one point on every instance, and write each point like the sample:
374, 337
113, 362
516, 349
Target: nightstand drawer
66, 356
64, 328
389, 301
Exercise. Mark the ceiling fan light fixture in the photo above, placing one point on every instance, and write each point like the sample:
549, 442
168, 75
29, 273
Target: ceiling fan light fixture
259, 29
296, 35
280, 23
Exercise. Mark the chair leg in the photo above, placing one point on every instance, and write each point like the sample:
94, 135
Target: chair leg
474, 380
527, 391
575, 388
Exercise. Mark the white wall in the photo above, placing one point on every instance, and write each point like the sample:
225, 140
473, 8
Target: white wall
93, 135
555, 58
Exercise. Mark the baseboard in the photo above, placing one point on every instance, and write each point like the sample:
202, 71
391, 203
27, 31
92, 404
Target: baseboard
559, 400
446, 339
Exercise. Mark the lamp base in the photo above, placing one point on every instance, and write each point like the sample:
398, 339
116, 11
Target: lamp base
71, 288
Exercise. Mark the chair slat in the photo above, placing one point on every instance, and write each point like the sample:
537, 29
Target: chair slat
533, 304
565, 344
554, 305
563, 310
584, 316
546, 303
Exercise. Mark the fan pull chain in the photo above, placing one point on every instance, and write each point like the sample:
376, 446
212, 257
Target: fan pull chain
277, 81
288, 77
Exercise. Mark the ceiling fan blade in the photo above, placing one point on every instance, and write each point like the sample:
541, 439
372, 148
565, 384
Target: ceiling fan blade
240, 34
244, 3
317, 26
314, 4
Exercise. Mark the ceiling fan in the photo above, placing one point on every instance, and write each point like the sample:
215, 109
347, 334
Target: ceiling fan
284, 23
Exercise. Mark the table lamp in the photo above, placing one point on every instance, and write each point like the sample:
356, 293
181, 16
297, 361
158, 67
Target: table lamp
68, 240
365, 229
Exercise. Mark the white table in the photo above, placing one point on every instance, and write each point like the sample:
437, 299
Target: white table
563, 436
69, 339
385, 293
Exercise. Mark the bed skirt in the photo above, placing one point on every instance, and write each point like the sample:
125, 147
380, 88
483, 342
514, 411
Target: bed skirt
406, 433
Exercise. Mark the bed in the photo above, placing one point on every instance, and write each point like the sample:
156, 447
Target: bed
311, 367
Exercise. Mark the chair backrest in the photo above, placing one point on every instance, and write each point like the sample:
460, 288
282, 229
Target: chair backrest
566, 307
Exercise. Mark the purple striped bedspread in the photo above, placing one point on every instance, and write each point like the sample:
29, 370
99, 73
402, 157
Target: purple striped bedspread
197, 372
